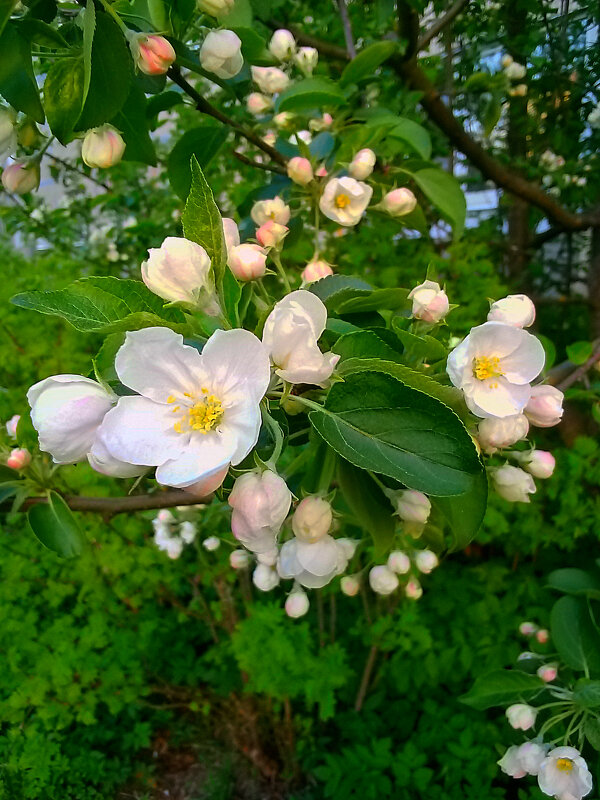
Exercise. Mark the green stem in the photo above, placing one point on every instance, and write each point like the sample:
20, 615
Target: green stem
282, 273
110, 10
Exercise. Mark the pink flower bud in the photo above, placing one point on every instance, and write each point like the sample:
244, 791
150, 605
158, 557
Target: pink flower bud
260, 503
21, 177
527, 628
299, 170
321, 172
399, 202
239, 559
11, 426
521, 717
516, 309
547, 672
258, 103
539, 463
247, 262
153, 54
102, 147
430, 302
362, 164
542, 636
544, 408
297, 604
413, 589
398, 562
513, 483
19, 459
426, 561
211, 544
315, 270
271, 233
350, 585
312, 519
412, 506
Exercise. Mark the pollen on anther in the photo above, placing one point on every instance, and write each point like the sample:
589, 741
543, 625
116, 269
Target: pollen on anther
171, 398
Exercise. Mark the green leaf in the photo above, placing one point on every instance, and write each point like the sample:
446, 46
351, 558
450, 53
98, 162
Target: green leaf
380, 424
63, 96
587, 693
465, 512
579, 352
41, 33
443, 190
368, 504
575, 635
56, 527
376, 300
335, 289
574, 581
421, 346
254, 47
367, 61
501, 687
414, 135
132, 121
110, 77
239, 15
364, 344
106, 305
592, 732
202, 223
6, 9
491, 113
17, 82
310, 93
89, 28
232, 293
203, 143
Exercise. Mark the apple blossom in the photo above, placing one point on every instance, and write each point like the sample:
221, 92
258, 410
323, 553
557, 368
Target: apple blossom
12, 424
258, 103
399, 202
542, 636
153, 55
547, 672
350, 585
221, 54
177, 271
493, 366
297, 604
290, 335
312, 564
426, 561
411, 505
312, 519
429, 302
539, 463
260, 503
270, 80
527, 628
344, 200
516, 309
102, 147
315, 270
188, 531
496, 433
265, 577
299, 170
521, 717
274, 209
382, 580
519, 91
211, 544
194, 413
398, 562
239, 559
21, 177
545, 406
362, 164
105, 463
513, 483
510, 763
282, 44
271, 234
247, 261
522, 760
216, 8
66, 411
19, 458
208, 484
347, 547
413, 589
8, 136
564, 774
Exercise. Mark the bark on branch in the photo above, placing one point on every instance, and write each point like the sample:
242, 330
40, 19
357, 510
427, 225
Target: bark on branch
109, 506
442, 23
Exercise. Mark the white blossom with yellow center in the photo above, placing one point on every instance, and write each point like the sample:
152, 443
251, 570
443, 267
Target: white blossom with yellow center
494, 366
195, 413
564, 774
344, 200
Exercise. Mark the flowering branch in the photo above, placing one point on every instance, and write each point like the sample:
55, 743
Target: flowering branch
109, 506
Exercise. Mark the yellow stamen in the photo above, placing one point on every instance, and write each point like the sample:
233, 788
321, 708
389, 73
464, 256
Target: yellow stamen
485, 367
565, 764
203, 416
342, 200
171, 398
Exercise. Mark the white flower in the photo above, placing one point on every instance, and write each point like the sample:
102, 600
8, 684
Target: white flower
306, 59
247, 261
523, 760
426, 561
299, 170
382, 580
282, 44
290, 335
513, 483
516, 309
177, 271
539, 463
12, 424
8, 135
494, 366
495, 433
521, 717
399, 202
221, 54
362, 164
194, 413
216, 7
545, 406
564, 774
312, 519
430, 302
344, 200
273, 209
515, 71
260, 503
312, 564
398, 562
239, 559
411, 505
265, 577
258, 103
350, 585
66, 411
102, 147
187, 531
211, 544
270, 80
297, 604
103, 462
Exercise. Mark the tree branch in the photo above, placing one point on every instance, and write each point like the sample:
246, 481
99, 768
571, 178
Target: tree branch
109, 506
443, 22
257, 165
578, 373
347, 26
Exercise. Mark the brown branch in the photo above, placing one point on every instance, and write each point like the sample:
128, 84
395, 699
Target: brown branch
109, 506
443, 22
205, 107
366, 677
257, 165
578, 373
73, 168
347, 26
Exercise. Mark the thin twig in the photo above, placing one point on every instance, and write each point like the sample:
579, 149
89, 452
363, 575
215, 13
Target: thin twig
366, 677
347, 26
578, 373
258, 165
83, 174
439, 25
109, 506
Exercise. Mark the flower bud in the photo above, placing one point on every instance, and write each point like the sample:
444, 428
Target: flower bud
19, 459
321, 172
269, 557
282, 44
312, 519
8, 136
174, 547
165, 517
258, 103
513, 483
299, 170
211, 544
239, 559
326, 121
297, 604
21, 177
153, 55
265, 578
398, 562
399, 202
11, 426
271, 234
430, 302
247, 262
527, 628
102, 147
315, 270
547, 672
216, 8
544, 408
426, 561
519, 91
539, 463
412, 506
260, 503
413, 589
507, 60
382, 580
284, 119
350, 585
306, 59
221, 54
516, 309
188, 531
521, 717
177, 271
362, 164
274, 209
495, 433
270, 80
542, 636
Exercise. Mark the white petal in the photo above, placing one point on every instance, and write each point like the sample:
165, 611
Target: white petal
458, 360
526, 363
204, 455
243, 419
287, 564
102, 461
315, 369
236, 360
495, 339
504, 400
318, 558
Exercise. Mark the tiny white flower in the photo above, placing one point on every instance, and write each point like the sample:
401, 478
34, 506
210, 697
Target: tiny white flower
274, 209
344, 200
563, 774
221, 54
516, 309
211, 544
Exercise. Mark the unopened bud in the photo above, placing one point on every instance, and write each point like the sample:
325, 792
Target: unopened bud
426, 561
413, 589
547, 672
350, 585
495, 433
539, 463
297, 604
11, 426
21, 177
430, 302
102, 147
528, 628
216, 8
516, 309
258, 103
382, 580
521, 717
265, 578
299, 170
271, 233
153, 55
312, 519
315, 270
239, 559
19, 459
398, 562
412, 506
247, 262
362, 164
542, 636
211, 544
282, 44
544, 408
399, 202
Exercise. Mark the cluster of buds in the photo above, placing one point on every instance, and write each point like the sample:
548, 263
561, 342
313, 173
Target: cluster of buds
383, 578
171, 535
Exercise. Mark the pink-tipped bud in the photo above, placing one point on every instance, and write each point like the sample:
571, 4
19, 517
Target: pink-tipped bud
247, 262
350, 585
239, 559
11, 426
312, 519
102, 147
413, 589
315, 270
542, 636
430, 302
297, 604
271, 233
321, 172
398, 562
299, 170
547, 672
545, 406
362, 164
539, 463
19, 459
528, 628
521, 717
153, 54
399, 202
21, 177
258, 103
426, 561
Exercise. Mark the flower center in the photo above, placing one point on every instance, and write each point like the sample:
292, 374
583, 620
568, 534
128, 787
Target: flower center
565, 764
204, 415
342, 200
485, 367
